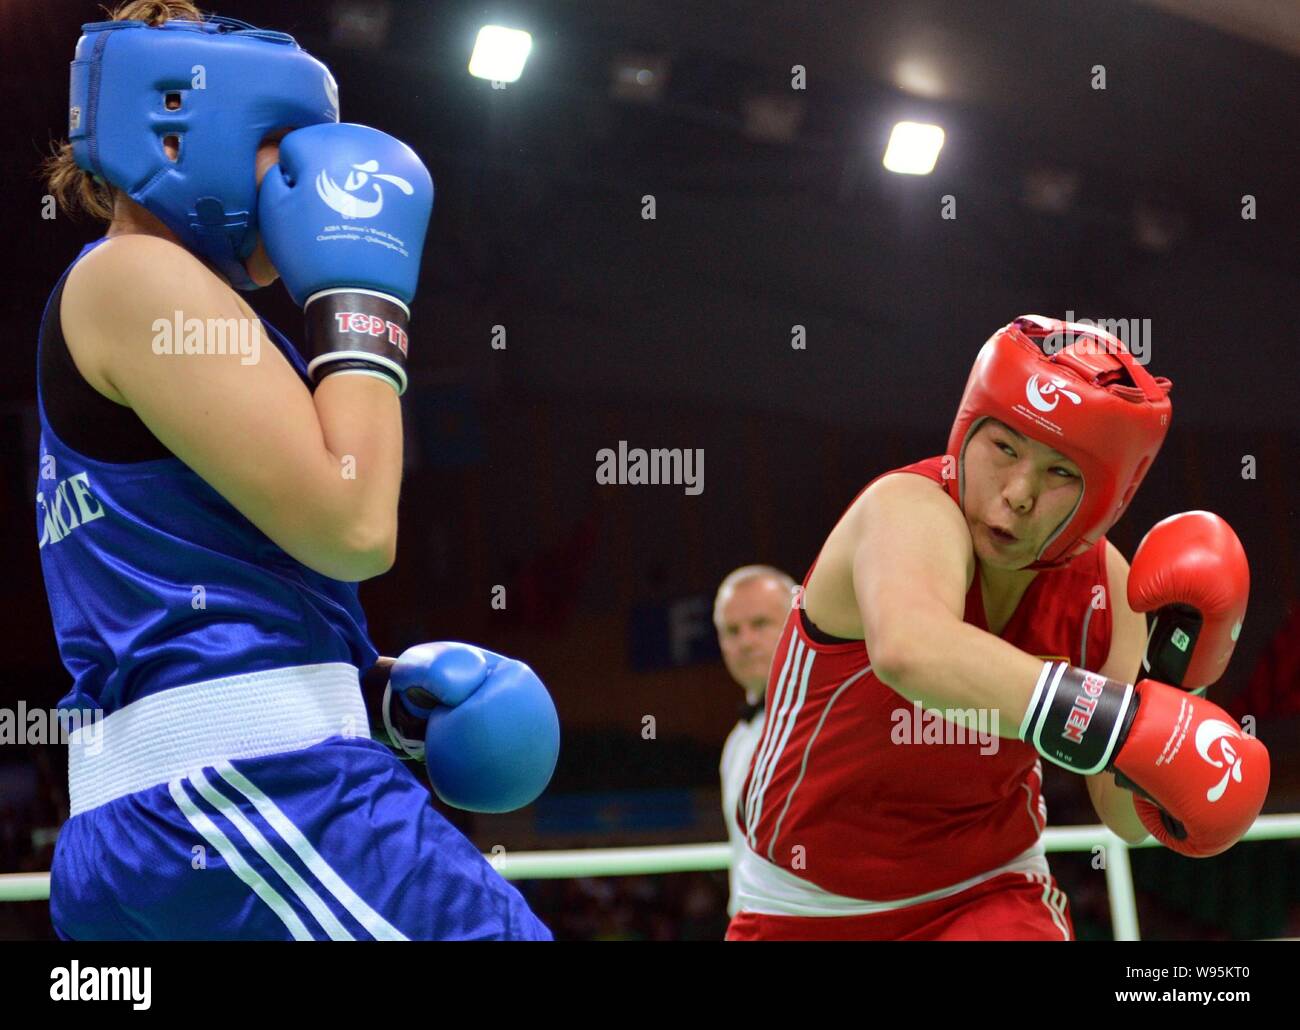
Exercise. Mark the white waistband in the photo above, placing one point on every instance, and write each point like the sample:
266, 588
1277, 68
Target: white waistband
770, 890
171, 733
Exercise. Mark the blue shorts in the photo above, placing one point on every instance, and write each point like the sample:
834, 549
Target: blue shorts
336, 841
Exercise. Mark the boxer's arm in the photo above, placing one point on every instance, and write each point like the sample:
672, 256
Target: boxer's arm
318, 474
1128, 636
912, 566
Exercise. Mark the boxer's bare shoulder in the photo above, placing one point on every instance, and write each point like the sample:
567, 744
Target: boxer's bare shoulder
896, 515
114, 295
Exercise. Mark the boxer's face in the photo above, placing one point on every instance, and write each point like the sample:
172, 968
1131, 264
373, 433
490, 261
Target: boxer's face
258, 263
1017, 492
751, 623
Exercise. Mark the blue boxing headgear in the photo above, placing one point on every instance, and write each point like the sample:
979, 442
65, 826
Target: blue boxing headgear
221, 87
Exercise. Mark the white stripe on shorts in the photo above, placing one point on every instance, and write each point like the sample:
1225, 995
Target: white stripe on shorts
331, 881
223, 846
327, 919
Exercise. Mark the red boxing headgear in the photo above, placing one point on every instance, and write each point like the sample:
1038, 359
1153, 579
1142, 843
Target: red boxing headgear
1090, 400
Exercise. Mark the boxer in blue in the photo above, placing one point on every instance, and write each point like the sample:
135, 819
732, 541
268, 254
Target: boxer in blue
206, 506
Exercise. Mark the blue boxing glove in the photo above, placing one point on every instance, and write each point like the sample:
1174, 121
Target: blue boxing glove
493, 736
343, 216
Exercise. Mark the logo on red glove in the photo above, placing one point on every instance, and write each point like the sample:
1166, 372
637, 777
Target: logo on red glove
1076, 725
1208, 734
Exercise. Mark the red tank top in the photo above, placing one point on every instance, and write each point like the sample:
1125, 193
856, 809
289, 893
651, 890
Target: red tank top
831, 798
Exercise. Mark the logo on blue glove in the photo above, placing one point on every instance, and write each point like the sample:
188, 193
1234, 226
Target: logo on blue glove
343, 198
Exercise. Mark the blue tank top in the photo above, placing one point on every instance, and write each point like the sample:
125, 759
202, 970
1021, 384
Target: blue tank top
155, 580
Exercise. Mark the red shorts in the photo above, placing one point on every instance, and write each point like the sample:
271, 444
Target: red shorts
1009, 907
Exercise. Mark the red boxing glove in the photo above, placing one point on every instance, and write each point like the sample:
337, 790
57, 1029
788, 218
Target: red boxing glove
1183, 752
1191, 570
1191, 756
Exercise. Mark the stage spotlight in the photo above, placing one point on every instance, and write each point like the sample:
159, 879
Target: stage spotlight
913, 148
500, 53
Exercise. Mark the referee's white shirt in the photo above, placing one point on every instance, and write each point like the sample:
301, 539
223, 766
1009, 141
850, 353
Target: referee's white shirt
736, 754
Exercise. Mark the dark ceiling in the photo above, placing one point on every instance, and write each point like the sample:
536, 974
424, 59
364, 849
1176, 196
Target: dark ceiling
540, 188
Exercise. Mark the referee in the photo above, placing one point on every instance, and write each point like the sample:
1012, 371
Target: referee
749, 614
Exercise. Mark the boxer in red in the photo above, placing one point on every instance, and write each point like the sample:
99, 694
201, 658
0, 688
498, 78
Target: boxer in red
967, 618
